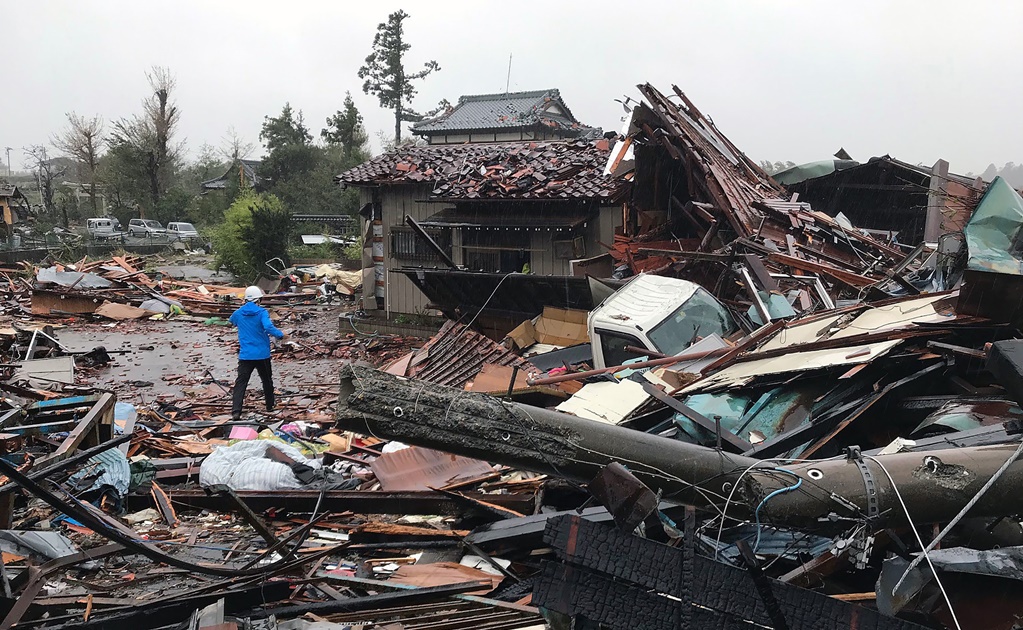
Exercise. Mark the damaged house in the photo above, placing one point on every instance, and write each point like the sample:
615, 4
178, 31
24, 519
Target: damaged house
895, 199
14, 205
508, 184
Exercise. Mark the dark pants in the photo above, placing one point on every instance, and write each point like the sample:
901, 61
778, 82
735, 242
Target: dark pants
245, 368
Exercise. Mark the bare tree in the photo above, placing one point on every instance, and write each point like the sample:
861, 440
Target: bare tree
150, 136
82, 140
46, 172
234, 147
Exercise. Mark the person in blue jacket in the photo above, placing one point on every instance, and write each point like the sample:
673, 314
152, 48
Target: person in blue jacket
254, 332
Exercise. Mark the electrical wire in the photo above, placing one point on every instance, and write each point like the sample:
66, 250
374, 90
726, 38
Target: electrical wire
756, 512
728, 501
919, 541
484, 307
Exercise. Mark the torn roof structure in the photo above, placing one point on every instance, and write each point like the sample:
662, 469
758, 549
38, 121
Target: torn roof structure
870, 401
887, 194
497, 116
245, 172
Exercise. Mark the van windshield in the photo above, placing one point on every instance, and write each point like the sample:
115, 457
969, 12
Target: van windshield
185, 227
699, 316
152, 224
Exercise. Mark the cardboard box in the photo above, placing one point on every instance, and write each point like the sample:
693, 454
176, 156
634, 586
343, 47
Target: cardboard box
556, 326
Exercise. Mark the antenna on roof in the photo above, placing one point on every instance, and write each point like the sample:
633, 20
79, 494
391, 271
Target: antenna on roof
507, 82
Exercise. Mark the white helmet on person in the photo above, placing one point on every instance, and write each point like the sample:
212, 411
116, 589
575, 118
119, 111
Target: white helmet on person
253, 293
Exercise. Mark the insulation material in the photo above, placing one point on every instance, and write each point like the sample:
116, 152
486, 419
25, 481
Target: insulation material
742, 373
244, 466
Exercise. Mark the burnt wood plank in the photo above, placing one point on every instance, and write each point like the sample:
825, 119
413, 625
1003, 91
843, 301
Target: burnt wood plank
651, 566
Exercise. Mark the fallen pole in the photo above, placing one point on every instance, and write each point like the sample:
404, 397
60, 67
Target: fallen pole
936, 485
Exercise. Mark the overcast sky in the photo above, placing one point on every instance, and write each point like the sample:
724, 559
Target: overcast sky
785, 80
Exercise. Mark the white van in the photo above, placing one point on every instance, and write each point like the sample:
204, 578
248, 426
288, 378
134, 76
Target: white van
101, 228
661, 314
179, 230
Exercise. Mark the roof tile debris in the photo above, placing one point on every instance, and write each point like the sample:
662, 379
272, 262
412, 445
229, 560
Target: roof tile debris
563, 170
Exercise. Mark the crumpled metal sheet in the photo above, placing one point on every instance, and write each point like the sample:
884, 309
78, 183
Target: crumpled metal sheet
114, 470
993, 233
1006, 562
417, 468
68, 278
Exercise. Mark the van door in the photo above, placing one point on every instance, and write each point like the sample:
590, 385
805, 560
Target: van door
611, 346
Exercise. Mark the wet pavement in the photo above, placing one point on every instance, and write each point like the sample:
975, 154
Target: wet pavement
165, 358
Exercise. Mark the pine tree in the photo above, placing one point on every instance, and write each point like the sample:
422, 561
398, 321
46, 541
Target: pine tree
385, 75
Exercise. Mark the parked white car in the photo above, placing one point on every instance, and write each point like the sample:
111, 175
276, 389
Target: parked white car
180, 231
145, 227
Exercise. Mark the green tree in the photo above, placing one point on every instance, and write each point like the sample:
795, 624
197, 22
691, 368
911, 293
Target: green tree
344, 129
385, 75
290, 151
256, 229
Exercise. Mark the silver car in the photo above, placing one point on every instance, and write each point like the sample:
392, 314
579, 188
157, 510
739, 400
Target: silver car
180, 231
145, 227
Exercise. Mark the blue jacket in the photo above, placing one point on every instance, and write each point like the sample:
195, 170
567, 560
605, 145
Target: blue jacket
254, 331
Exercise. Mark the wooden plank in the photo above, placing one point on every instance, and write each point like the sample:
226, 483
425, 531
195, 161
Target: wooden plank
845, 277
101, 413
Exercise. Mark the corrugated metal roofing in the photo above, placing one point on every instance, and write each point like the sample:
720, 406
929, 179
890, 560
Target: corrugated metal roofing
511, 110
456, 354
251, 174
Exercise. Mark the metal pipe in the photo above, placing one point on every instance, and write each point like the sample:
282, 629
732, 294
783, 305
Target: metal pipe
574, 376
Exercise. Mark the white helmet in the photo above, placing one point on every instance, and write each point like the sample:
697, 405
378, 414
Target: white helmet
253, 293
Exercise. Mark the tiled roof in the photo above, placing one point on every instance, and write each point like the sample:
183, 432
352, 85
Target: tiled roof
251, 174
512, 110
521, 170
